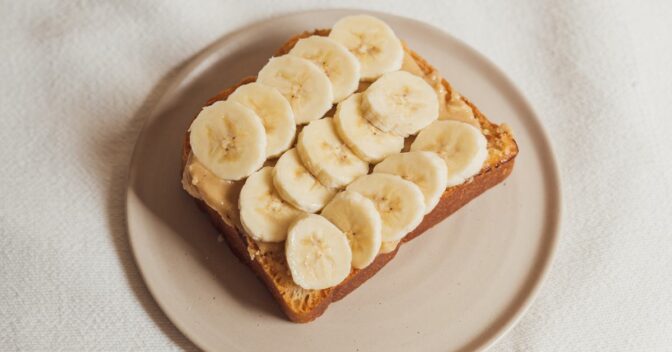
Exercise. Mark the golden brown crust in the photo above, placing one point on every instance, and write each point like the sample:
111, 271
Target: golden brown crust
502, 152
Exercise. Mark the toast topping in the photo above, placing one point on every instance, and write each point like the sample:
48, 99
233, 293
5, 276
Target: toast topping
359, 219
388, 246
399, 96
274, 111
400, 203
426, 169
263, 214
229, 140
297, 186
326, 157
317, 253
460, 145
334, 59
217, 193
400, 103
365, 140
372, 41
302, 83
458, 110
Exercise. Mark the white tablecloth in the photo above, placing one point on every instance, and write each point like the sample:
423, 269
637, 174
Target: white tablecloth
77, 78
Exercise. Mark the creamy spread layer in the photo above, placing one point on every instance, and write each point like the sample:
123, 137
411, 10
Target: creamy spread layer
218, 194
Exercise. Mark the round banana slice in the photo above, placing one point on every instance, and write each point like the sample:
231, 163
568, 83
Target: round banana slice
326, 157
372, 41
336, 62
228, 139
401, 103
302, 83
358, 218
318, 254
426, 169
297, 186
263, 214
364, 139
400, 203
462, 146
275, 113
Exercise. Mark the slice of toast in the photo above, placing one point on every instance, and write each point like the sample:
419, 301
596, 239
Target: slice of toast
268, 260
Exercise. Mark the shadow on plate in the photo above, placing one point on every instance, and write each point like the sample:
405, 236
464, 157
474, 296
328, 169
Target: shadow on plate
157, 182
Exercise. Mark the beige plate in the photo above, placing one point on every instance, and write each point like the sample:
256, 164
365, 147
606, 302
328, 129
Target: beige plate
458, 287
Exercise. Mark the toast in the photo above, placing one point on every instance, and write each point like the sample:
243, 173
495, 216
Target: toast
267, 260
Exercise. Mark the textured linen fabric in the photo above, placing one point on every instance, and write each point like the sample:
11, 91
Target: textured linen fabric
77, 79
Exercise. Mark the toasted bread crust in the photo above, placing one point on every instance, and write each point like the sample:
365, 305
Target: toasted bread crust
502, 150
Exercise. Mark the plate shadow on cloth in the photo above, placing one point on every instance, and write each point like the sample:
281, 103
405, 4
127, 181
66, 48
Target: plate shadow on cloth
160, 175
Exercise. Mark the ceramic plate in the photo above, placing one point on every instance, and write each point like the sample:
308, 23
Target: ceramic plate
458, 287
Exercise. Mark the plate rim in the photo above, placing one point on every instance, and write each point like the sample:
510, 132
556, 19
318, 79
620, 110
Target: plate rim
555, 185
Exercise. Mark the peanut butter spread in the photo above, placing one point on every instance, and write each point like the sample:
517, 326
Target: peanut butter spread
218, 194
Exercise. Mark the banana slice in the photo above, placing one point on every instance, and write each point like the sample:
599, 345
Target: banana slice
318, 254
372, 41
326, 157
336, 61
387, 247
462, 146
400, 203
302, 83
358, 218
275, 113
228, 139
297, 186
365, 140
263, 214
426, 169
401, 103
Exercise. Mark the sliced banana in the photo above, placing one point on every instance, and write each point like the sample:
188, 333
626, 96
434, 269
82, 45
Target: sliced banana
228, 139
401, 103
302, 83
387, 247
400, 203
372, 41
340, 65
425, 169
297, 186
327, 157
358, 218
318, 254
462, 146
365, 140
263, 214
275, 113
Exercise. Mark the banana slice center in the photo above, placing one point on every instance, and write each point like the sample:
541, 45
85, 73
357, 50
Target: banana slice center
448, 148
223, 146
385, 204
271, 204
404, 100
295, 90
364, 48
322, 59
321, 253
339, 152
